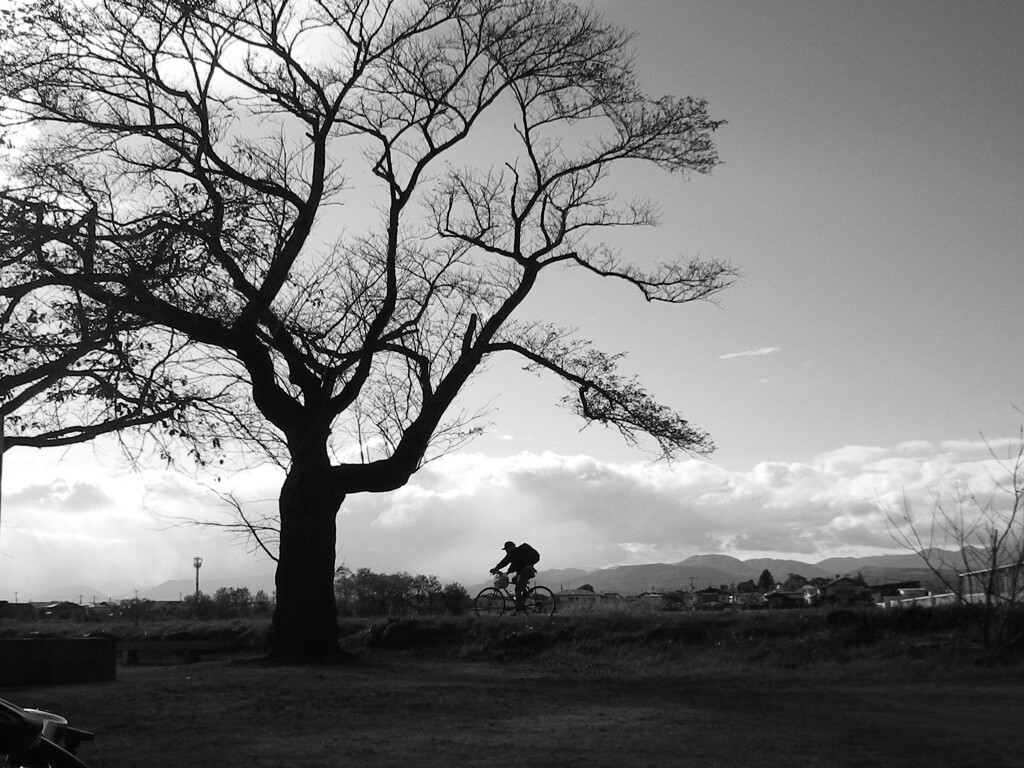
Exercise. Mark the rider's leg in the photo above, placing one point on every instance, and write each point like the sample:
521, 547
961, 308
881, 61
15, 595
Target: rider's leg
521, 584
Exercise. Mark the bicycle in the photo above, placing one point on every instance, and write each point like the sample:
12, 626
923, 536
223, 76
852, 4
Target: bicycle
494, 601
32, 738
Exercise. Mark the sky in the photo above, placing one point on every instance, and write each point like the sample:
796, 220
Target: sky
872, 196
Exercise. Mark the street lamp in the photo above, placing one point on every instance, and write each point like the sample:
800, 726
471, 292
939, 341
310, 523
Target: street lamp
198, 563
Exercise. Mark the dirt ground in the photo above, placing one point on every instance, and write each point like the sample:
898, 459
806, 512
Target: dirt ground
393, 710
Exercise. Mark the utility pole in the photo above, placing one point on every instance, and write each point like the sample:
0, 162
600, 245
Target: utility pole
198, 563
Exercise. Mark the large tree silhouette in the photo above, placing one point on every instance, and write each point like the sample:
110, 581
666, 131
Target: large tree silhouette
72, 369
343, 206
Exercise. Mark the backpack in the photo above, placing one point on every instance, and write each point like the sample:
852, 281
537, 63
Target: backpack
530, 555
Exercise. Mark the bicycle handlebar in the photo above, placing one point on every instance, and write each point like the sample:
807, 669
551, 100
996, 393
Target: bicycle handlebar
30, 735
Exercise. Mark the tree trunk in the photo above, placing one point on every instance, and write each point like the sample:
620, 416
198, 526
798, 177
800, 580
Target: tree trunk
305, 624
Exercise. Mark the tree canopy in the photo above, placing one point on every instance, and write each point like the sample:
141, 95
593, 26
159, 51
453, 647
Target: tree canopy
72, 369
326, 217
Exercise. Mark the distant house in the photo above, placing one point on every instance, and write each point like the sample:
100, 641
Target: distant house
1005, 582
749, 600
779, 599
843, 590
712, 598
63, 611
575, 597
913, 593
810, 592
884, 594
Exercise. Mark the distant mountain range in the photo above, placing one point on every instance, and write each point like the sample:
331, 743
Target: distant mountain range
175, 589
695, 572
701, 571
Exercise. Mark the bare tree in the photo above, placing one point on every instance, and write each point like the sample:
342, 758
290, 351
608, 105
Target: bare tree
219, 144
973, 542
72, 369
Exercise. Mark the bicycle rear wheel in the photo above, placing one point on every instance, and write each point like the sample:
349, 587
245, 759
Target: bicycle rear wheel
490, 602
540, 601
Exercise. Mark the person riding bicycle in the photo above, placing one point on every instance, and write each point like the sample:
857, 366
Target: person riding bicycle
520, 561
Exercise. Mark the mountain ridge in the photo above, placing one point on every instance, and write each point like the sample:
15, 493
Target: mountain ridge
695, 572
712, 570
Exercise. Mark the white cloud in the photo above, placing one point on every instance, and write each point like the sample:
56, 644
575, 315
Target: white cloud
750, 353
452, 518
57, 493
999, 447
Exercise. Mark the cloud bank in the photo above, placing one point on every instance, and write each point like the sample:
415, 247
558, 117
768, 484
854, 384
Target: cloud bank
453, 517
581, 512
750, 353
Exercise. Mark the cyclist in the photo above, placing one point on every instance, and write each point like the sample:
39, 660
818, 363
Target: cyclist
520, 561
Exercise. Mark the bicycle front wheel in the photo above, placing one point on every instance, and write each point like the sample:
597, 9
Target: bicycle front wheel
540, 601
490, 602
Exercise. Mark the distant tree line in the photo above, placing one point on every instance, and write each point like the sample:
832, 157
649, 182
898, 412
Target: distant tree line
794, 582
229, 603
225, 603
366, 593
358, 593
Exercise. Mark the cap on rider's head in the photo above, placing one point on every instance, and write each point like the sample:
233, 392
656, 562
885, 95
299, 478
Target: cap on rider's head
509, 545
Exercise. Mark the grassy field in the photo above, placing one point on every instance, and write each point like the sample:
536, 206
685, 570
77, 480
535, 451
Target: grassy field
598, 689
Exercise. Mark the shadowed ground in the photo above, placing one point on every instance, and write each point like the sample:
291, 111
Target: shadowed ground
412, 711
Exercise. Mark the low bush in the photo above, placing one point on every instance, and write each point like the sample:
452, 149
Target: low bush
626, 640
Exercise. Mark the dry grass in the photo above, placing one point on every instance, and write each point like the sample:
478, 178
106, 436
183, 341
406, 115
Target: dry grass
625, 636
600, 688
388, 708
